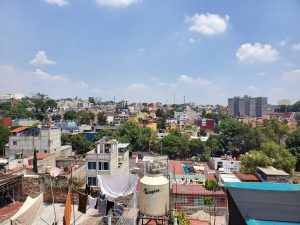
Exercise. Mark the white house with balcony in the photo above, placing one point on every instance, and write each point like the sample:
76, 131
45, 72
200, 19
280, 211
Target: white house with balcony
108, 158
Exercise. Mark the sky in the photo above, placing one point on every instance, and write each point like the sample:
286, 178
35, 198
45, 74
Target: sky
151, 50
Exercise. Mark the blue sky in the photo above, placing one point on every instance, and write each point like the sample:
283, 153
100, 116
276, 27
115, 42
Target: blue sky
147, 50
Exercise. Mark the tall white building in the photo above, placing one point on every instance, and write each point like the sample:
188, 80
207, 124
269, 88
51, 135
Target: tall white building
108, 158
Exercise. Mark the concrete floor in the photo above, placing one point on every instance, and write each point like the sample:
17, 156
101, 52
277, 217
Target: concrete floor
47, 217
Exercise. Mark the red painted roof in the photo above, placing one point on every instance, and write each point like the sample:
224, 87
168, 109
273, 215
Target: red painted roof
8, 211
17, 130
175, 167
7, 121
43, 155
247, 177
198, 222
186, 189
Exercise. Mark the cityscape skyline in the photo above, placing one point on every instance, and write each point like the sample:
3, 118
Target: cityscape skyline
140, 50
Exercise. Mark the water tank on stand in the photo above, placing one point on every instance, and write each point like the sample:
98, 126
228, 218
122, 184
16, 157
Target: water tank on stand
154, 194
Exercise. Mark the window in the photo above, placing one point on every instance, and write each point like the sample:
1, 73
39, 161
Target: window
91, 165
103, 166
92, 181
15, 142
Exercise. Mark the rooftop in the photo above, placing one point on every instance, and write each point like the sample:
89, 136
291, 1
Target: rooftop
247, 177
270, 170
186, 189
264, 186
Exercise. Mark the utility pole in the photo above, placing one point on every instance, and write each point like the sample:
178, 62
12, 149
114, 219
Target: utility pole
184, 99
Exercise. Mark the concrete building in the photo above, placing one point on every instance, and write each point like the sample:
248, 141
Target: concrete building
206, 124
108, 158
227, 163
24, 122
24, 140
271, 174
247, 106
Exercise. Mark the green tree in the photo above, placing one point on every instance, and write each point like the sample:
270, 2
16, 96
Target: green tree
84, 117
70, 115
254, 159
294, 108
4, 137
181, 218
275, 130
103, 133
281, 158
230, 134
21, 110
101, 118
208, 200
65, 139
161, 123
160, 113
137, 136
34, 162
293, 144
196, 147
92, 100
56, 117
4, 107
215, 147
80, 144
145, 110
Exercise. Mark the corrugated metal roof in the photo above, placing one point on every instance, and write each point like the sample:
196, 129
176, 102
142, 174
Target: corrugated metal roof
123, 145
17, 130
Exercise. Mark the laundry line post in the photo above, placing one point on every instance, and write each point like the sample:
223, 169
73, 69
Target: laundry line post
53, 201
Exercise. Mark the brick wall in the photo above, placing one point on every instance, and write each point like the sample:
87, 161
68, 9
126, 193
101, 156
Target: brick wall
33, 186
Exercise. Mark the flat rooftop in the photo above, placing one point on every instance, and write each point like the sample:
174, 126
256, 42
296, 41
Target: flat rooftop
264, 186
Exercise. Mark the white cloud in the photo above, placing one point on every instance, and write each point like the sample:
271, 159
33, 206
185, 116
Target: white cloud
154, 78
142, 50
262, 74
296, 47
162, 84
292, 76
277, 90
283, 42
208, 24
252, 88
193, 81
116, 3
41, 59
191, 40
97, 91
256, 53
138, 87
82, 85
59, 3
45, 76
6, 69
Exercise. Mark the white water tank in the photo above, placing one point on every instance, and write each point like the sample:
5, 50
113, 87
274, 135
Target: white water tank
154, 194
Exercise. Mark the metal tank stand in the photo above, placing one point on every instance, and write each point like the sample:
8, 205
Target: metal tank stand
159, 220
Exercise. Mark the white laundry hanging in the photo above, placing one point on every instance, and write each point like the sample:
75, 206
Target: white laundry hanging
30, 210
117, 185
92, 201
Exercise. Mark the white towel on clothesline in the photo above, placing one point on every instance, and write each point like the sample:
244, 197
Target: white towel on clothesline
117, 185
92, 201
